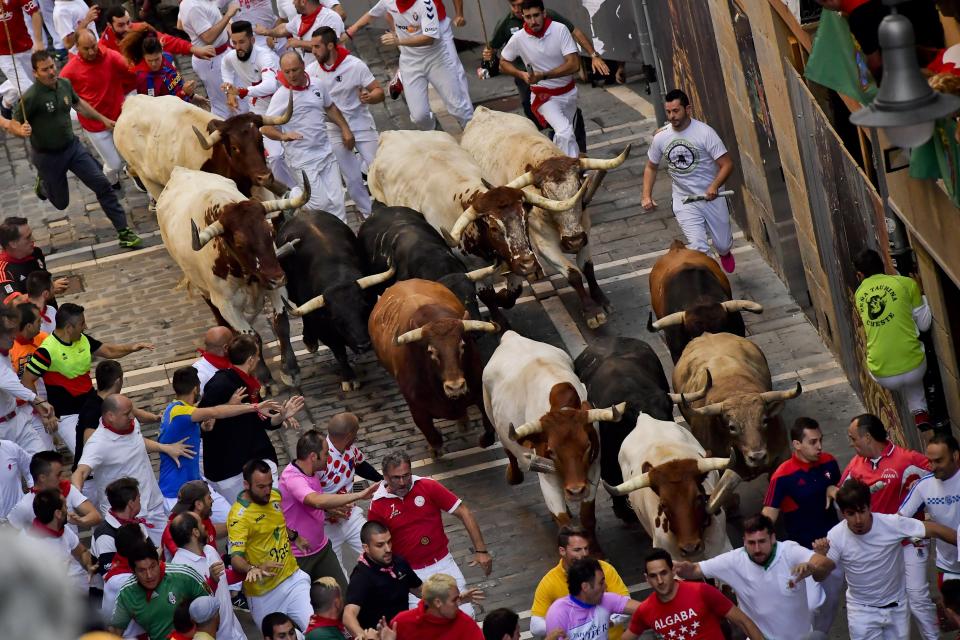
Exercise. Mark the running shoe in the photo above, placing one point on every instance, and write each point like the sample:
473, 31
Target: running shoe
128, 239
396, 86
728, 263
39, 190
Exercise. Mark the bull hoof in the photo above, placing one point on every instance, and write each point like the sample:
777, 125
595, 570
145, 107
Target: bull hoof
487, 439
290, 379
597, 320
312, 345
349, 385
514, 476
436, 452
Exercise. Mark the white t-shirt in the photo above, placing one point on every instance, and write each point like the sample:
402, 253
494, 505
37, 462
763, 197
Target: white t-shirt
48, 319
256, 12
691, 156
941, 501
309, 119
544, 53
67, 15
61, 550
113, 456
197, 16
21, 515
326, 18
10, 389
873, 562
764, 592
205, 371
230, 628
344, 84
419, 20
14, 465
257, 74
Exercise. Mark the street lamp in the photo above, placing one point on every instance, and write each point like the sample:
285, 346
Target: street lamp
906, 108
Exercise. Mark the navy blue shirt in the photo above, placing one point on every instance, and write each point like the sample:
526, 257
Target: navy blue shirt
799, 490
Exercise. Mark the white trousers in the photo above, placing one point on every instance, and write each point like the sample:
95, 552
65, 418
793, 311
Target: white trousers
700, 219
292, 597
67, 428
102, 141
922, 608
871, 623
23, 75
326, 188
46, 10
559, 112
832, 590
276, 163
440, 70
22, 429
346, 533
209, 73
350, 164
910, 384
461, 73
448, 566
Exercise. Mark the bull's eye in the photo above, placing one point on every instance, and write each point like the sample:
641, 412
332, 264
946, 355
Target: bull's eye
433, 353
734, 429
235, 149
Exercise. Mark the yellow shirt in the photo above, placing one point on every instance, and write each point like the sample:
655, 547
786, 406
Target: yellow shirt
259, 534
553, 586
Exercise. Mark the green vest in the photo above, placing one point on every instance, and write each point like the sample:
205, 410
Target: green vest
885, 304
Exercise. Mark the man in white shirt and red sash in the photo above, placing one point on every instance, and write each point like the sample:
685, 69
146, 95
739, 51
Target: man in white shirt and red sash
213, 356
301, 31
552, 58
202, 21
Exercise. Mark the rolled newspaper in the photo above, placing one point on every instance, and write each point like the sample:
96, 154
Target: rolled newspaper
703, 196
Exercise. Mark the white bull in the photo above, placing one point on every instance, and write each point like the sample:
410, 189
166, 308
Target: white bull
669, 480
506, 145
533, 385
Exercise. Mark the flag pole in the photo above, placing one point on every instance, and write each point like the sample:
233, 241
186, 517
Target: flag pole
16, 73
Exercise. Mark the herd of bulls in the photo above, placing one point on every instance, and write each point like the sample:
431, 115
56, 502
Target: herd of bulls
397, 286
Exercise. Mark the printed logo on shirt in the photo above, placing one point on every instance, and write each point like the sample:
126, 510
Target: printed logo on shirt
876, 300
50, 106
419, 501
394, 512
172, 598
679, 618
945, 500
682, 157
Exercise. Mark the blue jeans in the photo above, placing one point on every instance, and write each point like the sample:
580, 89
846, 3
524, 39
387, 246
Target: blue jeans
53, 167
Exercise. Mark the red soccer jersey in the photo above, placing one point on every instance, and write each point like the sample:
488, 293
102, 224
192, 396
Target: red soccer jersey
693, 614
415, 521
19, 37
103, 83
890, 478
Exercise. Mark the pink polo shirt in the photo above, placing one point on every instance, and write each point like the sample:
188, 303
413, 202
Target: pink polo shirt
294, 488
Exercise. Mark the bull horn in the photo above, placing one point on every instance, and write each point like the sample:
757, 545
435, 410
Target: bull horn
733, 306
290, 203
779, 396
310, 305
480, 325
378, 278
612, 414
669, 320
205, 142
269, 121
605, 164
414, 335
527, 459
468, 216
685, 398
201, 238
714, 409
727, 484
554, 205
641, 481
521, 181
287, 248
525, 430
706, 465
485, 272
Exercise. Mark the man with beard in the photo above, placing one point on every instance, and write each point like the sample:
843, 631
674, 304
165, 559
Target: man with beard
202, 21
760, 573
352, 88
259, 546
301, 31
118, 24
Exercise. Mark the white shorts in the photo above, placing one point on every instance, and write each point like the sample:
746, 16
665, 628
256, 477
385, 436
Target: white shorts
448, 566
292, 597
871, 623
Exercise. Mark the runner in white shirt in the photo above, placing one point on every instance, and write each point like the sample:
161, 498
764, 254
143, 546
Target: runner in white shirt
117, 450
48, 528
938, 494
699, 164
14, 469
46, 10
45, 469
301, 30
352, 87
71, 15
256, 12
202, 21
424, 58
551, 56
761, 574
305, 143
205, 560
867, 547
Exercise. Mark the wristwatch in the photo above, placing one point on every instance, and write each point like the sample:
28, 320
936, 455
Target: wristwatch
594, 55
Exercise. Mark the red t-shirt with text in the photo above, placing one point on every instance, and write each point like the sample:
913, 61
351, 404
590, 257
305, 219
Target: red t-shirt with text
693, 614
19, 37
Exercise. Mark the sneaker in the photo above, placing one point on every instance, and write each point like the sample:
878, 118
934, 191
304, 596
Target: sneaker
728, 263
39, 190
922, 420
239, 602
136, 180
395, 86
128, 239
116, 186
152, 207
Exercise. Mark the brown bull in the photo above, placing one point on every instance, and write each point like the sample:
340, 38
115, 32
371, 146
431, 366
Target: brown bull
420, 335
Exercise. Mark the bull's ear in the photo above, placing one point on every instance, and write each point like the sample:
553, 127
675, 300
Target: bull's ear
585, 406
215, 125
645, 467
774, 408
527, 168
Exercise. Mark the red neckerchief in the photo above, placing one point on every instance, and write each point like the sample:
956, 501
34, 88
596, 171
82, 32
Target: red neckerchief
176, 635
117, 431
538, 34
342, 53
848, 6
44, 530
22, 340
307, 21
219, 362
6, 257
63, 485
293, 87
403, 5
163, 573
253, 385
118, 566
134, 520
383, 568
319, 622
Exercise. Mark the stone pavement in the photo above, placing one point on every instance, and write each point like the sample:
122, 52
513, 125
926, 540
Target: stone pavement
134, 296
